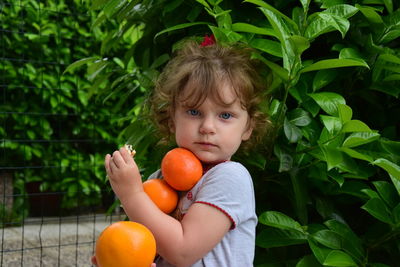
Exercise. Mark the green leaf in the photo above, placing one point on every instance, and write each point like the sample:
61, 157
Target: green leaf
160, 61
342, 10
351, 53
355, 126
357, 155
323, 78
180, 26
389, 58
268, 46
113, 6
96, 68
283, 33
388, 5
249, 28
391, 29
339, 23
385, 62
391, 78
274, 108
99, 20
320, 252
334, 63
311, 131
281, 72
279, 220
328, 238
390, 167
324, 23
332, 124
204, 3
300, 194
225, 35
300, 44
396, 183
333, 156
387, 192
370, 193
339, 258
351, 242
360, 138
305, 4
97, 4
308, 261
337, 177
299, 117
328, 102
378, 209
292, 132
79, 63
285, 159
223, 18
119, 62
271, 237
371, 14
345, 113
275, 11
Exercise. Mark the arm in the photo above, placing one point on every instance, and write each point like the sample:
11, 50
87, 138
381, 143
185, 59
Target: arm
180, 243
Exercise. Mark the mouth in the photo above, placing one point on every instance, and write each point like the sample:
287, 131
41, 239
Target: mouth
206, 144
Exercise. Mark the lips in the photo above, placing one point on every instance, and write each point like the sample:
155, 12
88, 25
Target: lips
206, 144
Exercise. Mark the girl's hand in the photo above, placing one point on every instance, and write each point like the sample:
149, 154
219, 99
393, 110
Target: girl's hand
123, 174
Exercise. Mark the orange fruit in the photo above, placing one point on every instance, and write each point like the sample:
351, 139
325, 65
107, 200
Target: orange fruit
181, 169
125, 244
163, 195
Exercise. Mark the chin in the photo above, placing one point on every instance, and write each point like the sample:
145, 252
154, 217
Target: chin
205, 158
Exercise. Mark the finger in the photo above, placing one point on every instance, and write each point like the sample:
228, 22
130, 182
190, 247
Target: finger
126, 155
113, 166
93, 260
107, 163
117, 159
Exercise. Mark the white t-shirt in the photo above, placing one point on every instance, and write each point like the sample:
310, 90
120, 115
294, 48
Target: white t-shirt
229, 188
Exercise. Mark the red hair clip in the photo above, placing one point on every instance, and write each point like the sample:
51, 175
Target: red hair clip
208, 40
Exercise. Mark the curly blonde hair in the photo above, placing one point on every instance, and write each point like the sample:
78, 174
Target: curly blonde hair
206, 68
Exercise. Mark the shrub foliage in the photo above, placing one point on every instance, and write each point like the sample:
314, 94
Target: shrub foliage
327, 177
50, 132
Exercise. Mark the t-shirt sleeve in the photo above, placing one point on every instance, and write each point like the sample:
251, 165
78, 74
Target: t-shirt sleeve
155, 175
229, 188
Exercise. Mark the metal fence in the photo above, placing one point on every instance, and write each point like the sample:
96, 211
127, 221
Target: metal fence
52, 205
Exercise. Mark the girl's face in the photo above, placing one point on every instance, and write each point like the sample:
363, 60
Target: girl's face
213, 131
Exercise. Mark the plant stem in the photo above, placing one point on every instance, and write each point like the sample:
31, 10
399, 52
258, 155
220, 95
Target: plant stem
384, 239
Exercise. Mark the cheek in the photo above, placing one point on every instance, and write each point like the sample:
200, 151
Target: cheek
180, 131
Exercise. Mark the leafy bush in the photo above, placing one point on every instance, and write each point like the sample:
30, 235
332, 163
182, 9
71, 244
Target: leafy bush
327, 178
52, 132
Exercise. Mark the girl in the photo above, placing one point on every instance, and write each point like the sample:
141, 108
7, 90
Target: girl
208, 99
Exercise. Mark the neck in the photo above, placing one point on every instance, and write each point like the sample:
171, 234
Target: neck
208, 165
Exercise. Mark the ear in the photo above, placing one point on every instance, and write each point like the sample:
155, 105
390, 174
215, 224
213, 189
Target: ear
246, 135
171, 125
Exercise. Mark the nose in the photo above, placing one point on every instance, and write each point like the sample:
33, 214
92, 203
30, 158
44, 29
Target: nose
207, 125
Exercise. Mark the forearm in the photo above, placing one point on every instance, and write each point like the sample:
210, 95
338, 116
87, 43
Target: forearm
168, 231
174, 242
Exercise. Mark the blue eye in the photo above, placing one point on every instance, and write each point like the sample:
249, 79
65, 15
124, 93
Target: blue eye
225, 115
193, 112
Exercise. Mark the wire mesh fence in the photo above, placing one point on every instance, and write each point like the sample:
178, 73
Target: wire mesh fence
54, 198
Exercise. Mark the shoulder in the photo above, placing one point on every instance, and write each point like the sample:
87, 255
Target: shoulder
228, 173
230, 168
